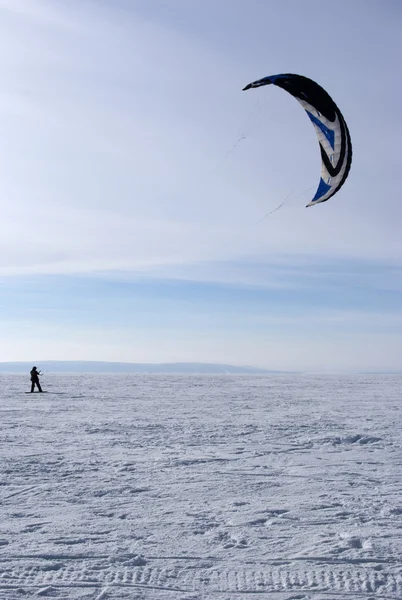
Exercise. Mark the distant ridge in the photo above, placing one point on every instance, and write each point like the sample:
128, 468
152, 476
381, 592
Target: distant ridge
56, 366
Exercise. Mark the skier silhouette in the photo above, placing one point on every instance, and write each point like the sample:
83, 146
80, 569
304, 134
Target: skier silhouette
35, 379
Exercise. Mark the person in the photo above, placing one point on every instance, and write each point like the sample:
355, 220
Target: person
35, 379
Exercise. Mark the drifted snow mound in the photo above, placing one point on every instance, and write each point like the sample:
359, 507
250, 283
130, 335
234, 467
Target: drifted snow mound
350, 439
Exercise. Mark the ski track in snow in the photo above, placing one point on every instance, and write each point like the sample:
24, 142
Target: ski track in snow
193, 487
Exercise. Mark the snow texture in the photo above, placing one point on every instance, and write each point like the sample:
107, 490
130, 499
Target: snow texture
195, 487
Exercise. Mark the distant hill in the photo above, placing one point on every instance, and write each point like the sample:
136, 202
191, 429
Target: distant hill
120, 367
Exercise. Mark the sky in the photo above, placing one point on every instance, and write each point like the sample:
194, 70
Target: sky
138, 182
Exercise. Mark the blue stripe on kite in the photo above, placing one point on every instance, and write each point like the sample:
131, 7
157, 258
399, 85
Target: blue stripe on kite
273, 78
322, 189
270, 79
329, 134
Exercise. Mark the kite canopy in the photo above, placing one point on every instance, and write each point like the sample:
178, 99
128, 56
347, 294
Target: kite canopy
330, 126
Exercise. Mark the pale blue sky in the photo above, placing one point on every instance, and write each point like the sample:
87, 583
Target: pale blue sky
132, 209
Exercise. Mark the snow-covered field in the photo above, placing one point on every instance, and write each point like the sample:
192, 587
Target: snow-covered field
196, 487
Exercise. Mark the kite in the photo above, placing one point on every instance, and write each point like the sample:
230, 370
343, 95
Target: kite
330, 126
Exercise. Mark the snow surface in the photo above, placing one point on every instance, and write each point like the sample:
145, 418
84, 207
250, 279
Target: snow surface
194, 487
